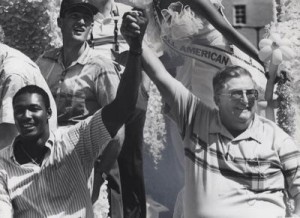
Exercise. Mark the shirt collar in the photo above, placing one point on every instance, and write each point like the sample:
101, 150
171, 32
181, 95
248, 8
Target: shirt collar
251, 132
49, 143
83, 59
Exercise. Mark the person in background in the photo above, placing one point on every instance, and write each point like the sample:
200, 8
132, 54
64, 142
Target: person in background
16, 71
108, 40
82, 81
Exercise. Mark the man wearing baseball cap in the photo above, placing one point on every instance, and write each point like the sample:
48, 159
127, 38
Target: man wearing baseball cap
77, 5
83, 81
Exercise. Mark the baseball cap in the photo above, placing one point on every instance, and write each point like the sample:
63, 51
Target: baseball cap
67, 5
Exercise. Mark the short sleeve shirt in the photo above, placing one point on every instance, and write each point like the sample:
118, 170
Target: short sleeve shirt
58, 187
79, 90
225, 176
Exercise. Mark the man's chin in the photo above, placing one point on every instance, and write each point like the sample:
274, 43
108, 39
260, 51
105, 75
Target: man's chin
79, 38
28, 134
245, 119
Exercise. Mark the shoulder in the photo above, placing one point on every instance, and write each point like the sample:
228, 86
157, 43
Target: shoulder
51, 54
101, 62
18, 63
271, 130
5, 156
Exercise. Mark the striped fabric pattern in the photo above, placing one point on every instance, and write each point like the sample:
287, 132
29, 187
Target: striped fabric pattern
59, 187
226, 175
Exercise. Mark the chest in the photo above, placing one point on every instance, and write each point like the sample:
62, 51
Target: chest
244, 163
49, 187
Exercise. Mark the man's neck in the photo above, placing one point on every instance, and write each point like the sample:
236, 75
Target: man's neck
72, 53
31, 150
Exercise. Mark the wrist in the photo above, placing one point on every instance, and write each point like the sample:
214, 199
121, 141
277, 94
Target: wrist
136, 51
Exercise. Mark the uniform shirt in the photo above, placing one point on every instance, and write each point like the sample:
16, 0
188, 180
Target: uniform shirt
58, 187
17, 71
79, 90
233, 177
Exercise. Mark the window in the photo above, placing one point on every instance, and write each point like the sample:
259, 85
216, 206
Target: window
240, 14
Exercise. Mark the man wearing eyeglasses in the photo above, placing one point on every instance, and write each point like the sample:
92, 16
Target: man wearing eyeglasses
237, 163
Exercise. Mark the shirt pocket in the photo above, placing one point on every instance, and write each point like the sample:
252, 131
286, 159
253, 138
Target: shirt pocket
254, 173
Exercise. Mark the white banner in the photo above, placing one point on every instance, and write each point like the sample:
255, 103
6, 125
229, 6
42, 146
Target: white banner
219, 58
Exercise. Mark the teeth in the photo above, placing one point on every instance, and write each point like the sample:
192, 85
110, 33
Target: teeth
79, 29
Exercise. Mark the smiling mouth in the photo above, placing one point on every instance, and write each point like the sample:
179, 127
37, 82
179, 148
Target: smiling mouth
79, 29
27, 125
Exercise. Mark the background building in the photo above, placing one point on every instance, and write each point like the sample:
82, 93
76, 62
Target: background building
250, 16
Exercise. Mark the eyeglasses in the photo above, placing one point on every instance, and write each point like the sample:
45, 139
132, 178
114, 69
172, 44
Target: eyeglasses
237, 95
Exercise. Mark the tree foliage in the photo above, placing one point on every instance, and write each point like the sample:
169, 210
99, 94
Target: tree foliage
30, 25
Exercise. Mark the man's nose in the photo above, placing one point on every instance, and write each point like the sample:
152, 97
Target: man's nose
245, 98
27, 113
81, 20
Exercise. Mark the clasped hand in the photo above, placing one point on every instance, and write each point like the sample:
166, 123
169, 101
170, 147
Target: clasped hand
133, 28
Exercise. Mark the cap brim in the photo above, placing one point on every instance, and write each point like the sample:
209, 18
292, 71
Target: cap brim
79, 6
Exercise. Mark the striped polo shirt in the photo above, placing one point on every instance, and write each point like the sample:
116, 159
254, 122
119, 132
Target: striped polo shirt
233, 177
57, 188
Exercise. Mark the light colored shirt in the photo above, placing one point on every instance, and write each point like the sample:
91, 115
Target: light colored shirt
17, 71
79, 90
57, 188
104, 31
233, 177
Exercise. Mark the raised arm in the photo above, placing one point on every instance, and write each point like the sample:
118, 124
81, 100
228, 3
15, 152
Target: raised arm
151, 64
159, 75
116, 113
206, 9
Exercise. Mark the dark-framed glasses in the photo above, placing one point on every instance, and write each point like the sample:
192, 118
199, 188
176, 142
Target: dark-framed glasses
238, 94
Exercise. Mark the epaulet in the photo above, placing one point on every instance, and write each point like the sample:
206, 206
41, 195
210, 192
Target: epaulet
99, 59
104, 63
52, 54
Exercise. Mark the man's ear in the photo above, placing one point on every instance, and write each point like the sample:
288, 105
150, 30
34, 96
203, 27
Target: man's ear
49, 112
59, 22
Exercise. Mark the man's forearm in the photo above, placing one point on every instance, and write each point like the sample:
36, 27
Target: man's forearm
115, 114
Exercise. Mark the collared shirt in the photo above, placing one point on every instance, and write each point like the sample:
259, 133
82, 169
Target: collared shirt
57, 188
79, 90
233, 177
17, 71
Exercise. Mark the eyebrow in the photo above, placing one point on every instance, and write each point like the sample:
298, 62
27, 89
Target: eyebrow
27, 106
